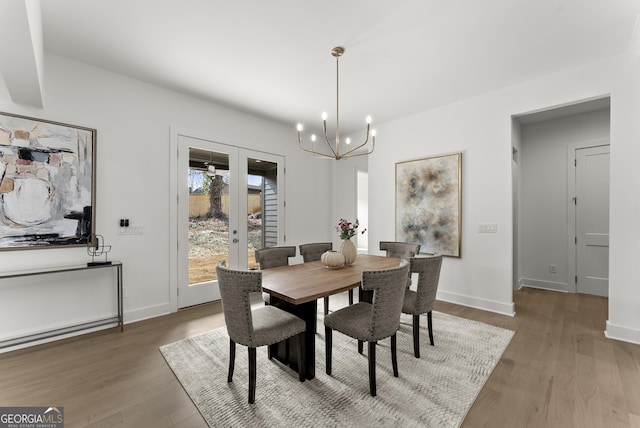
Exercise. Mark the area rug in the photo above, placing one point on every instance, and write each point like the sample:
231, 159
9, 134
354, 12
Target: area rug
435, 390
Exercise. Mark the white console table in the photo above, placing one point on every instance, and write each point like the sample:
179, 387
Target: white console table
119, 319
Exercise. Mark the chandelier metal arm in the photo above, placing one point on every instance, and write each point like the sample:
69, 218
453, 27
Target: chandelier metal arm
335, 152
366, 140
313, 151
348, 155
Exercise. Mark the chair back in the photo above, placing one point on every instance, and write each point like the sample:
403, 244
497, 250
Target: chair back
313, 252
274, 256
235, 288
428, 270
400, 250
388, 287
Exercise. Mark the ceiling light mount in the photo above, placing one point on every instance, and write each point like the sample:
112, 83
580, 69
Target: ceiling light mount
334, 150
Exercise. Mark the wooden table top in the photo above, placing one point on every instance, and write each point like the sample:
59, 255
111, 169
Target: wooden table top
306, 282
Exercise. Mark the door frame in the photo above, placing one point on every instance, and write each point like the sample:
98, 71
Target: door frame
175, 134
572, 257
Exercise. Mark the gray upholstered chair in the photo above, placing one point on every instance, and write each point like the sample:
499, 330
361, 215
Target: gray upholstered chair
271, 257
311, 253
400, 250
371, 322
263, 326
421, 301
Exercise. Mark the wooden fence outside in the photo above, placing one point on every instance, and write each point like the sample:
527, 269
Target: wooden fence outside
199, 204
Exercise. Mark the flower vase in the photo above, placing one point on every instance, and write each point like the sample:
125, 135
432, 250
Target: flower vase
348, 250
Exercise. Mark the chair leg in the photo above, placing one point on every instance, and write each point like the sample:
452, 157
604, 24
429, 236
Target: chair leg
372, 368
394, 356
252, 375
416, 336
360, 346
327, 340
351, 297
232, 359
429, 320
301, 356
326, 305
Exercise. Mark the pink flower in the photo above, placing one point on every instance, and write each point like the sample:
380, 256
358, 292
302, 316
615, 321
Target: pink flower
347, 229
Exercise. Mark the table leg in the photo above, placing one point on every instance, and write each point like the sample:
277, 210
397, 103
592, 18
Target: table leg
120, 298
365, 295
308, 313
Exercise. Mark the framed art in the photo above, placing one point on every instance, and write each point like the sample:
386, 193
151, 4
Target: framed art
47, 183
429, 204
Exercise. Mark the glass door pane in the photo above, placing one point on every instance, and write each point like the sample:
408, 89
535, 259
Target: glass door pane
208, 213
265, 204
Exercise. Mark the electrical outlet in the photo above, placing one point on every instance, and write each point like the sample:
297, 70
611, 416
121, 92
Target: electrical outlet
552, 268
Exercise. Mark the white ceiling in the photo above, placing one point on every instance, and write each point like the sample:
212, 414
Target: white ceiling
272, 58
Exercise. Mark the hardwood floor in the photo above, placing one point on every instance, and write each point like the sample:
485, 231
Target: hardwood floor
558, 371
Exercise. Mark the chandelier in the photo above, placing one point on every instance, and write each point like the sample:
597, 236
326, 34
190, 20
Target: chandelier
334, 150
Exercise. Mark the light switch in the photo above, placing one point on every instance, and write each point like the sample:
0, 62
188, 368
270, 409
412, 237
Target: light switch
487, 228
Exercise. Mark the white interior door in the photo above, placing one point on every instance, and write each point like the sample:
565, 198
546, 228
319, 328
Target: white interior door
592, 220
247, 212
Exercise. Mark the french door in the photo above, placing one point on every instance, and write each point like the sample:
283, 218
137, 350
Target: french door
230, 202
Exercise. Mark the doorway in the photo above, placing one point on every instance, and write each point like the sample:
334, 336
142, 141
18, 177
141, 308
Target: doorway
544, 217
362, 211
230, 202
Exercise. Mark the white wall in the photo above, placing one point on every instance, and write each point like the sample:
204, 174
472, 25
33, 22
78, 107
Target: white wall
544, 213
344, 192
480, 127
133, 120
516, 146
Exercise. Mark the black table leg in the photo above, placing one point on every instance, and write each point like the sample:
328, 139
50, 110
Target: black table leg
365, 295
308, 313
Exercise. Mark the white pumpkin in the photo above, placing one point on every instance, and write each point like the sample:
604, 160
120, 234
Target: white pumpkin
332, 259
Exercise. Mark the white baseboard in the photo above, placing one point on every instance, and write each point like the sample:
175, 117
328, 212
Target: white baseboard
625, 334
146, 313
543, 285
129, 317
478, 303
55, 338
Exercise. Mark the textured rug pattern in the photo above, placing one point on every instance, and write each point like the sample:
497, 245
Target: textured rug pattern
436, 390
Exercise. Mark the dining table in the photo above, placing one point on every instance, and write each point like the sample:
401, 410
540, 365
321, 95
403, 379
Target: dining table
297, 288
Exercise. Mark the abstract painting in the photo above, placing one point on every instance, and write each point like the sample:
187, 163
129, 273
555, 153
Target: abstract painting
428, 203
47, 183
